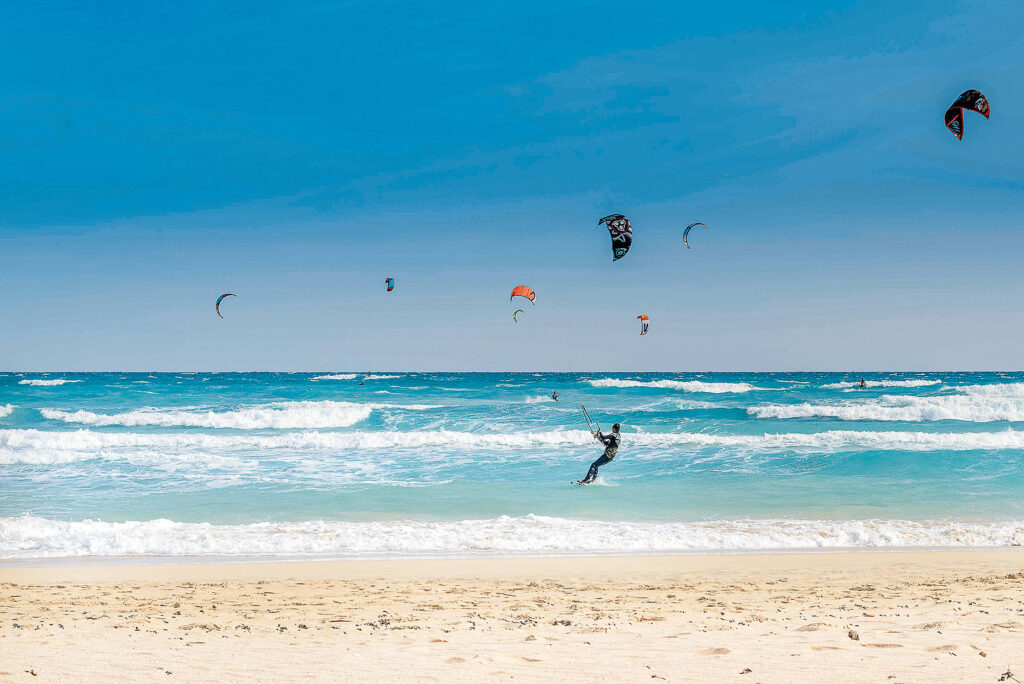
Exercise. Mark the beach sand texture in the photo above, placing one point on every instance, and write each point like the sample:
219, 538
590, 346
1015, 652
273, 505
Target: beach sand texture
881, 617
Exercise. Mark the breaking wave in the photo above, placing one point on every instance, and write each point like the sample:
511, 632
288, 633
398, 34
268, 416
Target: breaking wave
34, 537
681, 385
283, 415
971, 403
90, 443
5, 410
46, 383
339, 376
1008, 389
882, 383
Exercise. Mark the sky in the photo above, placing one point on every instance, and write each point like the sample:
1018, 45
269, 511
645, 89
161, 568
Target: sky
156, 155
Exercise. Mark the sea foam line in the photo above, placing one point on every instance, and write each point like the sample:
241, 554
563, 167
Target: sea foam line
38, 382
971, 403
338, 376
282, 415
34, 537
89, 442
1006, 389
882, 383
5, 410
681, 385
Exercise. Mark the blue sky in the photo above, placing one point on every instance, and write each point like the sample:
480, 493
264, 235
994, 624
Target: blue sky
299, 153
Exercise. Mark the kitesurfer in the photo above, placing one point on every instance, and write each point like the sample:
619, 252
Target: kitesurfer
863, 384
611, 447
554, 395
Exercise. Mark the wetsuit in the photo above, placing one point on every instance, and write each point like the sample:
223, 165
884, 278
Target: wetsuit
611, 447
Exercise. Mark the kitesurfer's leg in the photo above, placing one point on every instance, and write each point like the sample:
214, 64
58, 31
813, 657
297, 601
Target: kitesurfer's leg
592, 473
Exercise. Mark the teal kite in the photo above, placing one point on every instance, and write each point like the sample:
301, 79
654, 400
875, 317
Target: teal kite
220, 299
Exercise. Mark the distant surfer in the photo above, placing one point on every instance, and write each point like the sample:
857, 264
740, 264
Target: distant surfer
554, 395
611, 447
863, 384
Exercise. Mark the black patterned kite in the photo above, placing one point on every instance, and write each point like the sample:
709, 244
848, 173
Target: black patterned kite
970, 99
621, 233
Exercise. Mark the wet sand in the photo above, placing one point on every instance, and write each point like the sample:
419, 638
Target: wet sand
880, 617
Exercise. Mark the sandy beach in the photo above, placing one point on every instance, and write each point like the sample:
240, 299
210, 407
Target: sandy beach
892, 617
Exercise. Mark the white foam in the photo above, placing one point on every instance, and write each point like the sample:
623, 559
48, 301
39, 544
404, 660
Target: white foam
162, 458
840, 440
34, 537
92, 441
971, 403
1007, 389
93, 444
5, 410
683, 386
282, 415
38, 382
339, 376
882, 383
539, 399
685, 405
383, 377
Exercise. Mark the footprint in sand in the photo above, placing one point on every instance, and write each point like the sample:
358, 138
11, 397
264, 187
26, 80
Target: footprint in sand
455, 660
1011, 626
813, 627
931, 625
720, 650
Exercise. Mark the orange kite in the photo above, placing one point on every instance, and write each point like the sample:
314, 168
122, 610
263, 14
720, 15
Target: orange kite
523, 291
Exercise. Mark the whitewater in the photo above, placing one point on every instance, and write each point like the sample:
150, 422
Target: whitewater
121, 467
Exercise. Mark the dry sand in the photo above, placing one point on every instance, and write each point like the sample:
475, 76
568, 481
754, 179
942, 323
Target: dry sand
878, 617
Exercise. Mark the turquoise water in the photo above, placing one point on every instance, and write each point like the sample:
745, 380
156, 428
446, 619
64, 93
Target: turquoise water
319, 465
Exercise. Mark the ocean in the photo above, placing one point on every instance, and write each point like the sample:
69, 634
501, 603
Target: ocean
172, 467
